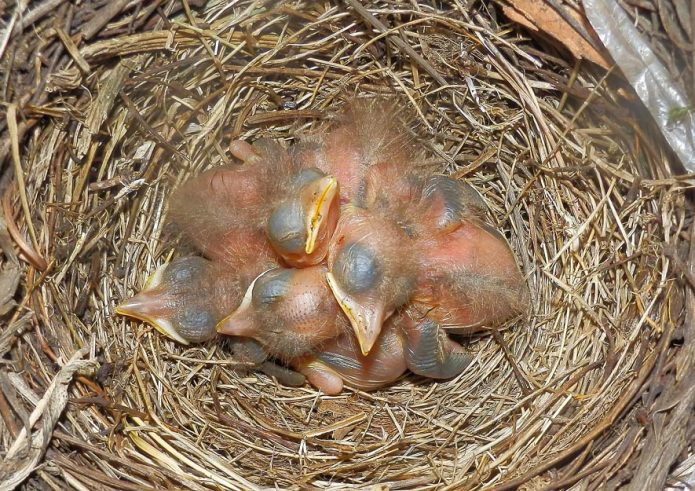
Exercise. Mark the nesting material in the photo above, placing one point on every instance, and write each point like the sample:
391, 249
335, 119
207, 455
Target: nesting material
588, 205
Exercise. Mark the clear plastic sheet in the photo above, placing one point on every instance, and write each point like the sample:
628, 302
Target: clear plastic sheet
666, 102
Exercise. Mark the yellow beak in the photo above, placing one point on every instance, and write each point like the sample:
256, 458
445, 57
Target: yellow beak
325, 192
366, 322
144, 306
240, 322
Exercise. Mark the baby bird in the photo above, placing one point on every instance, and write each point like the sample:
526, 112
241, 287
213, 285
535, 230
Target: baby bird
290, 312
251, 215
408, 256
435, 253
468, 277
370, 270
186, 298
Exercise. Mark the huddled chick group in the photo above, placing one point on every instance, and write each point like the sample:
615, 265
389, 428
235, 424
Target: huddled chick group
344, 256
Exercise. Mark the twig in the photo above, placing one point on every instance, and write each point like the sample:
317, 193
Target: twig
7, 417
48, 7
398, 42
28, 253
72, 50
14, 470
19, 172
671, 253
585, 440
520, 379
20, 7
102, 17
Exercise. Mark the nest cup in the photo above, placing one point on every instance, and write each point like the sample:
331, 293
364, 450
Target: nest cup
558, 397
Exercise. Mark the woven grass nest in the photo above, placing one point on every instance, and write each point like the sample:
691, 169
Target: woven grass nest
592, 388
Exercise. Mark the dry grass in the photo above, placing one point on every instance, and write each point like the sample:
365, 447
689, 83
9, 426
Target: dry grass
587, 199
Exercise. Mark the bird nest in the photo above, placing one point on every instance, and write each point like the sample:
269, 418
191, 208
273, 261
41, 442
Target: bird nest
572, 391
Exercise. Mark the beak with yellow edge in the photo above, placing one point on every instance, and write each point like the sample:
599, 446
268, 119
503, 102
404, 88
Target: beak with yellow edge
150, 306
182, 299
241, 321
366, 318
322, 215
300, 227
